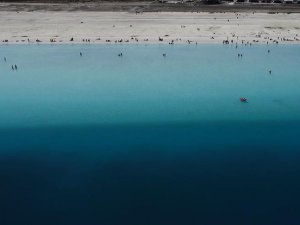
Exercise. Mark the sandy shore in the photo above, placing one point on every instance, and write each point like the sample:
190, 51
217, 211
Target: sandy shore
147, 27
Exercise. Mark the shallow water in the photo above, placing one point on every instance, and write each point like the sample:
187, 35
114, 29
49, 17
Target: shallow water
143, 139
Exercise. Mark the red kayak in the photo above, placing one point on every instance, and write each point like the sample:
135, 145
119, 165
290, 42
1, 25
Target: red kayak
243, 100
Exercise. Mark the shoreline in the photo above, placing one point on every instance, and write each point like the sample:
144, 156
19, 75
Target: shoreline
80, 27
143, 44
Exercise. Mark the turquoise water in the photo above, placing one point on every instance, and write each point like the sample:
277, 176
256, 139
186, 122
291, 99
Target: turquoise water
147, 139
55, 86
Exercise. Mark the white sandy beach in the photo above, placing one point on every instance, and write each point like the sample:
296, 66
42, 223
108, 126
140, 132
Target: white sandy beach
181, 27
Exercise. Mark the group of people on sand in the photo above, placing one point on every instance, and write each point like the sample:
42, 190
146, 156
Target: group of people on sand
262, 37
258, 38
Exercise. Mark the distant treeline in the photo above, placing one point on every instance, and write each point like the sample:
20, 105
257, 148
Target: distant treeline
73, 1
92, 1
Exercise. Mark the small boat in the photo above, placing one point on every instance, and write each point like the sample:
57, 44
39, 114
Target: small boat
243, 100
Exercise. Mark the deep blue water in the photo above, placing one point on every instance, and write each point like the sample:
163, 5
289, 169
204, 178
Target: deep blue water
147, 140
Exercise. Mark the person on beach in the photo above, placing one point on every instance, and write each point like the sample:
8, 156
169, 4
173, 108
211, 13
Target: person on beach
16, 68
80, 53
12, 67
270, 72
4, 59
